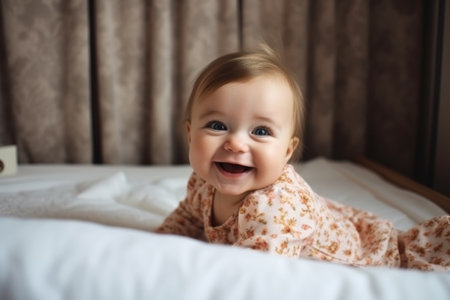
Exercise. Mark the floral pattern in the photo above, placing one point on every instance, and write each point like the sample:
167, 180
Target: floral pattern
288, 218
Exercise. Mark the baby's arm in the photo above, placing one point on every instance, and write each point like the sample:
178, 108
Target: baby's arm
186, 219
182, 222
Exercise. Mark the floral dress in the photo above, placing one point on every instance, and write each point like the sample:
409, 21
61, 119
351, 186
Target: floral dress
289, 219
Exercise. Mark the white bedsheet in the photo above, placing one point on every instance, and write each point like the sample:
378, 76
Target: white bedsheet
141, 197
78, 260
49, 251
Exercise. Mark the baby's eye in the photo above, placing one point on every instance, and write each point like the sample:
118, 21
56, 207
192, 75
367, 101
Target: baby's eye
261, 131
216, 125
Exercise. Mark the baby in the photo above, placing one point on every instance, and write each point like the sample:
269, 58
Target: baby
244, 122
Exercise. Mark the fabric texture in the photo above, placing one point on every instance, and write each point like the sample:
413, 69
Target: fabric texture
288, 218
106, 81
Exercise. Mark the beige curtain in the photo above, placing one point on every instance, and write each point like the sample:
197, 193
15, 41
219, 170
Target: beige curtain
106, 81
45, 96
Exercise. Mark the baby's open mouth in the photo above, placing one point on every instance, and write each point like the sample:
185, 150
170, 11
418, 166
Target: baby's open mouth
233, 168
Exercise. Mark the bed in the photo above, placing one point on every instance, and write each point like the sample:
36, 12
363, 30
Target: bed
85, 232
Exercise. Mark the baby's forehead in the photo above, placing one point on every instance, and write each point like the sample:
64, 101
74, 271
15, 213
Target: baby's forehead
217, 86
260, 94
275, 78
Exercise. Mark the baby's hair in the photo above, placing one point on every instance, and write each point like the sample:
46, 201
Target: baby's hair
243, 66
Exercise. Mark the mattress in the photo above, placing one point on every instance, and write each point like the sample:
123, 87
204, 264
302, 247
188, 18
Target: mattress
85, 232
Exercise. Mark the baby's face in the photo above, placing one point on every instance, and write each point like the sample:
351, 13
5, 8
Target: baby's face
240, 135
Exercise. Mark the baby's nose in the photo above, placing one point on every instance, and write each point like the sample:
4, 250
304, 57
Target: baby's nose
236, 143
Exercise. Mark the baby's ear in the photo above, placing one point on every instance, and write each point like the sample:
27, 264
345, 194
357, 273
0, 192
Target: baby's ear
293, 143
188, 130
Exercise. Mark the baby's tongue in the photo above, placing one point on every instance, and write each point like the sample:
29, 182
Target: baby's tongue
232, 168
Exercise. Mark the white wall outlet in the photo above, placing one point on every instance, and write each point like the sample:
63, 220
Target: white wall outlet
8, 160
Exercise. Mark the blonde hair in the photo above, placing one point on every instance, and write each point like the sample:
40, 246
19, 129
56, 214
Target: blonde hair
242, 66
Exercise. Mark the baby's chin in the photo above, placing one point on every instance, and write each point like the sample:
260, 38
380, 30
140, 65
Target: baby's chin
231, 192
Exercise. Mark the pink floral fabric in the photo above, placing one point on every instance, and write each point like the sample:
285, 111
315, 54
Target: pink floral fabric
289, 219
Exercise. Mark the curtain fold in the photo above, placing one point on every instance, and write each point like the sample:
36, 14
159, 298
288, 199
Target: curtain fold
395, 92
48, 96
352, 79
106, 81
120, 70
322, 79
